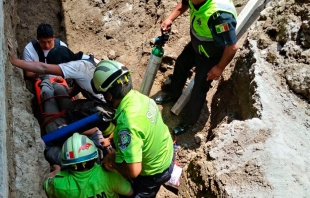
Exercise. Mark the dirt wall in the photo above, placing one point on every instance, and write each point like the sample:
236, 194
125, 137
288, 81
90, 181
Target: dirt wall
23, 162
3, 125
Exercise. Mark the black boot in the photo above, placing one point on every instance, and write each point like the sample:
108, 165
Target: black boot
181, 128
161, 99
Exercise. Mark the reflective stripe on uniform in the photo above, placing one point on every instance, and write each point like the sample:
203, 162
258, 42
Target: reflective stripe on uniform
109, 130
202, 50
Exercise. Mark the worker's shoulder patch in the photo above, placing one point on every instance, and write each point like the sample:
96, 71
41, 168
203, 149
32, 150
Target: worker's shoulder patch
222, 28
124, 139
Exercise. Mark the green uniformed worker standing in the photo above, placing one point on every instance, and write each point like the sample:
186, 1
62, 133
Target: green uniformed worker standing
213, 45
144, 148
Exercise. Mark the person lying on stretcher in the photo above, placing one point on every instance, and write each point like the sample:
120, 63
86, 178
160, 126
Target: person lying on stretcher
66, 64
54, 118
63, 62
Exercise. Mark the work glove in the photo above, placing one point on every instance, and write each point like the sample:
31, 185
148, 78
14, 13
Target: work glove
106, 112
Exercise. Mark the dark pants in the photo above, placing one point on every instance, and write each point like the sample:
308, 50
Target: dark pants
53, 106
148, 186
184, 63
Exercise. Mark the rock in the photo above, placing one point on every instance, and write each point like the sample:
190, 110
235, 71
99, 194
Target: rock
112, 55
198, 138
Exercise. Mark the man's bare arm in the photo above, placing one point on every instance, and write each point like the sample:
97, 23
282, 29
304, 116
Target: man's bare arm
128, 170
177, 11
56, 169
36, 67
131, 170
31, 75
228, 55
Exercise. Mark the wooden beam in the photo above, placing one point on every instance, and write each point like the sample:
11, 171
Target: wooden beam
242, 18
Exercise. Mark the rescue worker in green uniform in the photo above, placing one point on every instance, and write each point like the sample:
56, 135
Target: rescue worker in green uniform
144, 148
84, 177
213, 45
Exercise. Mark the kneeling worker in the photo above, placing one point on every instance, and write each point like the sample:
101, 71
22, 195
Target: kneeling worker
84, 177
144, 147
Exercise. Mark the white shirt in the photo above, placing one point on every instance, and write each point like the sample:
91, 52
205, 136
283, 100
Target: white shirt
30, 54
82, 72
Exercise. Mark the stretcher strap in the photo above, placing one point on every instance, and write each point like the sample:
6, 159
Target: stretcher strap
58, 96
54, 115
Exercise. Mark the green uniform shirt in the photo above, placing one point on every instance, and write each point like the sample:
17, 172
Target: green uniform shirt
141, 135
199, 18
92, 183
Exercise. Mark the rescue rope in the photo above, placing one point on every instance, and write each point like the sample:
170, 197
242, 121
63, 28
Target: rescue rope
54, 115
58, 96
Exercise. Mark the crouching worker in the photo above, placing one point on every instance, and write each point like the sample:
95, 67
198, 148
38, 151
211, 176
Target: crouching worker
144, 148
54, 108
84, 177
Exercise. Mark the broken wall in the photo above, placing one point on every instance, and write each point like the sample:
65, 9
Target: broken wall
22, 163
3, 124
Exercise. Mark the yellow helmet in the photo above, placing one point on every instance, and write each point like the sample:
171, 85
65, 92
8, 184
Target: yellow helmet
106, 73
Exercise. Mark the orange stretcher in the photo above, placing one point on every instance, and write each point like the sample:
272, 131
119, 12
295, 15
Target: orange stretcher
40, 102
